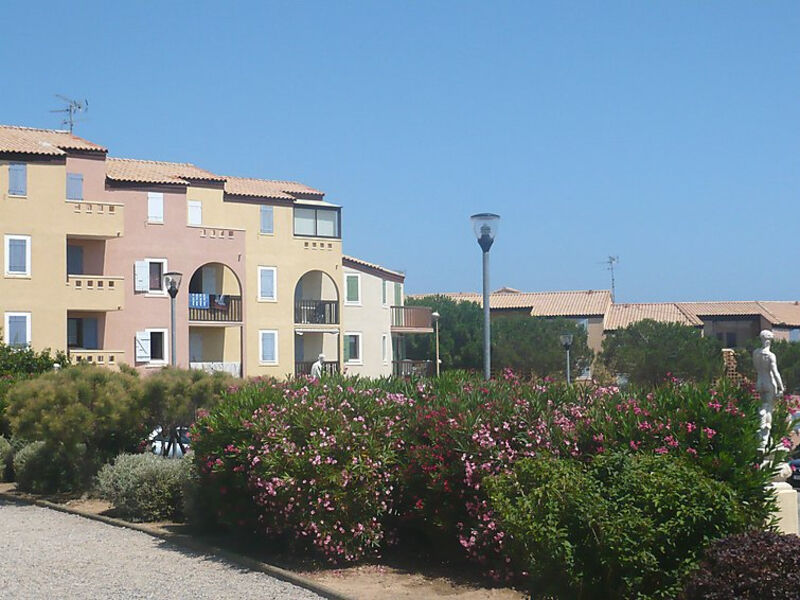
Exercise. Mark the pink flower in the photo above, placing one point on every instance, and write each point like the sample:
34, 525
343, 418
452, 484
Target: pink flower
635, 445
710, 433
691, 451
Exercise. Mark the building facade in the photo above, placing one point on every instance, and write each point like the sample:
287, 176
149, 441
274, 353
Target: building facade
87, 240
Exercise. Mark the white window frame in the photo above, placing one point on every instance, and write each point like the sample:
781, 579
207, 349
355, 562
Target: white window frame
274, 297
352, 302
189, 205
260, 219
6, 248
261, 333
6, 328
164, 269
164, 361
153, 197
360, 359
384, 348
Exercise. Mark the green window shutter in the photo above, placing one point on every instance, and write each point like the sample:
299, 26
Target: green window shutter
352, 288
398, 294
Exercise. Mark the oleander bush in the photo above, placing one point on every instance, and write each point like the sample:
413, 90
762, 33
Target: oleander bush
42, 468
343, 466
758, 565
145, 487
623, 526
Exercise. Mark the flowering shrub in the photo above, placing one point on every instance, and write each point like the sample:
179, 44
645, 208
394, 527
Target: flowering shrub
6, 455
336, 466
313, 463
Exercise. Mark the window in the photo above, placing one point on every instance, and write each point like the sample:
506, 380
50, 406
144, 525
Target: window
267, 221
18, 255
17, 179
268, 347
18, 329
74, 186
352, 289
398, 294
730, 339
82, 333
155, 207
151, 346
149, 275
195, 212
352, 348
385, 295
582, 323
794, 335
266, 283
318, 222
74, 260
384, 348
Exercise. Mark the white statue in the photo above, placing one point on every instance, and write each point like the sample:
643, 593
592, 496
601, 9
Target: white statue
316, 368
769, 384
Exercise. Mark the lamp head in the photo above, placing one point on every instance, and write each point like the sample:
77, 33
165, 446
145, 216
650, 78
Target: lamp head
485, 226
172, 281
435, 316
566, 340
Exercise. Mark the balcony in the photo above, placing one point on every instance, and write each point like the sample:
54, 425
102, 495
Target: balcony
94, 219
102, 358
412, 319
415, 368
316, 312
329, 367
95, 292
215, 308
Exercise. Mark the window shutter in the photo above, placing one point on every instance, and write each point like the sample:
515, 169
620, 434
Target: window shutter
74, 186
384, 291
347, 341
142, 346
17, 179
352, 288
155, 207
266, 219
18, 330
267, 288
90, 333
267, 346
141, 278
195, 209
398, 294
17, 256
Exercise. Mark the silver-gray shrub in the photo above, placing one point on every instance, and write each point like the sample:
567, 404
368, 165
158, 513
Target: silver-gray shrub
145, 487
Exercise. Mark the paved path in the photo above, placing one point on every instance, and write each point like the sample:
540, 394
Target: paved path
49, 554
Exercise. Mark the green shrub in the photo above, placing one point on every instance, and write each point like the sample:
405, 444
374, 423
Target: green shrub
759, 565
145, 487
44, 469
6, 455
623, 527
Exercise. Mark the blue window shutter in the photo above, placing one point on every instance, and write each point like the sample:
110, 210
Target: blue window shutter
90, 333
74, 186
266, 219
267, 288
18, 179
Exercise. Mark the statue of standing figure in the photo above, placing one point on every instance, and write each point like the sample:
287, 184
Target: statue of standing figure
769, 384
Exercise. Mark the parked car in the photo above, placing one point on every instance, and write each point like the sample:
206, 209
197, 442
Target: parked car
794, 478
159, 442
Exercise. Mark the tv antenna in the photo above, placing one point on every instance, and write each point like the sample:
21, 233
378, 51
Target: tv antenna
611, 261
72, 108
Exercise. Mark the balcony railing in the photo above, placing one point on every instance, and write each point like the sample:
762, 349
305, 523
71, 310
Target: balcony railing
329, 367
101, 358
418, 368
412, 319
316, 312
215, 307
95, 292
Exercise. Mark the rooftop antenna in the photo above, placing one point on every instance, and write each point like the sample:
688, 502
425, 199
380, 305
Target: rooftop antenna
72, 108
611, 261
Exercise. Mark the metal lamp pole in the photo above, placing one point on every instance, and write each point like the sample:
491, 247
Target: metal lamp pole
435, 316
172, 281
485, 227
566, 341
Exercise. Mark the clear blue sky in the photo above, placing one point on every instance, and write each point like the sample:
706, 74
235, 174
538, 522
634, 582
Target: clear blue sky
665, 132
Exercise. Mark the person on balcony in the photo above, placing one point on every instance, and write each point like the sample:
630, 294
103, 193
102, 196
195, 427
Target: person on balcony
316, 368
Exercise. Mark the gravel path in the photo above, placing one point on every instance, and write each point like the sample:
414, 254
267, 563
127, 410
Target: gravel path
48, 554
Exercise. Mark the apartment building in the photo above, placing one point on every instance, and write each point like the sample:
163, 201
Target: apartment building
87, 240
377, 321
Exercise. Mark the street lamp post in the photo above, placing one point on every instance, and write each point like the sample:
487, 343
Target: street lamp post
435, 316
172, 281
485, 227
566, 341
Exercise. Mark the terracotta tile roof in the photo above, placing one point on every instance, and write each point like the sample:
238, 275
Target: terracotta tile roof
357, 263
268, 188
620, 316
151, 171
783, 313
543, 304
721, 309
50, 142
